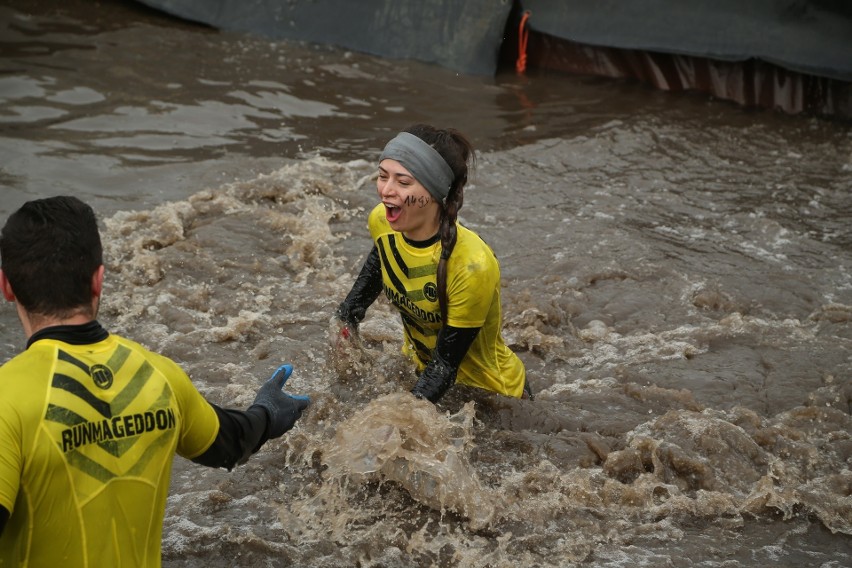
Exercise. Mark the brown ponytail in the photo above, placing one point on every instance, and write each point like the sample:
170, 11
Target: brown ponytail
457, 151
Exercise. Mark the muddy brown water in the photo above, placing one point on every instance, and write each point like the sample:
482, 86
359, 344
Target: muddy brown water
677, 277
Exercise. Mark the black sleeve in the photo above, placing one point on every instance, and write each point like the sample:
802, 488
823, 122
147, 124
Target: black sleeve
4, 516
241, 433
364, 292
440, 373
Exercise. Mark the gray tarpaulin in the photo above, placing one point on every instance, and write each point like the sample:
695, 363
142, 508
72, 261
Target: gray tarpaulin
793, 55
807, 36
464, 35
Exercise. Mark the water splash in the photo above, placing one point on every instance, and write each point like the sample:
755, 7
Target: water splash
398, 438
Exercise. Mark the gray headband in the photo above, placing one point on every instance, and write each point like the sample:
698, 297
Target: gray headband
423, 161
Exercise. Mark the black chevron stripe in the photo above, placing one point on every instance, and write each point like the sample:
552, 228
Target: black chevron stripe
424, 352
63, 356
63, 415
73, 386
397, 283
412, 323
396, 255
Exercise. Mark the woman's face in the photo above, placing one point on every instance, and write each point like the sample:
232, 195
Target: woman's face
409, 207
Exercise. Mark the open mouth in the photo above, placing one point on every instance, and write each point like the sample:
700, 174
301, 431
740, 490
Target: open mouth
392, 212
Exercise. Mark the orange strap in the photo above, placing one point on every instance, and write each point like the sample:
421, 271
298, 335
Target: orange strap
523, 35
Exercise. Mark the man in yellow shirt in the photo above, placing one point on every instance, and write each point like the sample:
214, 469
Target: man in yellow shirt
90, 421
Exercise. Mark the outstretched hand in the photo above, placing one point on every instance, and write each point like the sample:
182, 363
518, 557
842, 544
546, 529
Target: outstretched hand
282, 408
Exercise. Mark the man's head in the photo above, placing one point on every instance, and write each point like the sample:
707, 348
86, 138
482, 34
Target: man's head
50, 252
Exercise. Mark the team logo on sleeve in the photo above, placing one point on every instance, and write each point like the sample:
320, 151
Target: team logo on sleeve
430, 291
102, 375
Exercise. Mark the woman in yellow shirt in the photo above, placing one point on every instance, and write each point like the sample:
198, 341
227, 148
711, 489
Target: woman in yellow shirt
442, 277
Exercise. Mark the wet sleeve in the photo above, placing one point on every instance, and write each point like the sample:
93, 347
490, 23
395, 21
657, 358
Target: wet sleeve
211, 435
364, 292
241, 433
440, 373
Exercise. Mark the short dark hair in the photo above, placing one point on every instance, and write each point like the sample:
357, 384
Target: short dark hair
49, 250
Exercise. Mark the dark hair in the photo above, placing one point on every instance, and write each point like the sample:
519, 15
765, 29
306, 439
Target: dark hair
458, 152
49, 250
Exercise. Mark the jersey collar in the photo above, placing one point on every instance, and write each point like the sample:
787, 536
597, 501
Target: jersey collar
83, 334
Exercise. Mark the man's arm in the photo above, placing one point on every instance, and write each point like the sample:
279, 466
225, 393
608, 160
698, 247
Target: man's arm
242, 433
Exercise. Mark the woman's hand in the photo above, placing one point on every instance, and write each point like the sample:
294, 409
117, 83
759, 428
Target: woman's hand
346, 351
341, 334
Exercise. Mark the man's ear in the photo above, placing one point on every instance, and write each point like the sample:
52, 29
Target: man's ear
8, 293
98, 282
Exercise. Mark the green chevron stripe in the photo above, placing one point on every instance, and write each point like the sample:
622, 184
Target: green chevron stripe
162, 440
133, 388
90, 467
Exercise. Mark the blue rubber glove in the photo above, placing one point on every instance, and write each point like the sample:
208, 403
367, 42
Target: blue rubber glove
283, 409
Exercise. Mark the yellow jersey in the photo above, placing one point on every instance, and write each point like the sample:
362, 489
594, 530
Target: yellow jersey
473, 300
87, 438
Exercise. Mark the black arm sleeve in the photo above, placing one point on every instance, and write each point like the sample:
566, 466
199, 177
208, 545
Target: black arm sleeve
440, 373
364, 292
241, 433
4, 516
